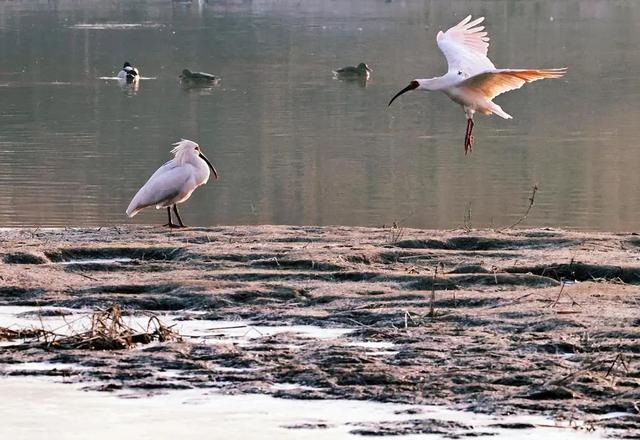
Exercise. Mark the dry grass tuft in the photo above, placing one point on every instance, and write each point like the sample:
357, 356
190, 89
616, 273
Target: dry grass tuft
395, 233
7, 334
107, 331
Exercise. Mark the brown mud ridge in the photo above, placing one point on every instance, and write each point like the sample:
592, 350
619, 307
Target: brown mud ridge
529, 321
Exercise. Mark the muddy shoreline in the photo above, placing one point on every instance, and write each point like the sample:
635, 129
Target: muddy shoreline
533, 321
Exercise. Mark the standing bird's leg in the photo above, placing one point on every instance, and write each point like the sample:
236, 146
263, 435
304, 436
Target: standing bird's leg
175, 210
170, 224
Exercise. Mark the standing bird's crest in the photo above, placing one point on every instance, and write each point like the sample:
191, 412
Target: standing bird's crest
183, 149
471, 79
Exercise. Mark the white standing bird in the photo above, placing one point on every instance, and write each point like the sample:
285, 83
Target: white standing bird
174, 181
472, 80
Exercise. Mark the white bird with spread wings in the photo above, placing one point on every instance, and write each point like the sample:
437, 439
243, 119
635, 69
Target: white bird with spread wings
472, 80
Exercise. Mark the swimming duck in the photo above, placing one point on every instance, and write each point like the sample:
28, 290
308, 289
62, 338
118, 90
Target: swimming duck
350, 72
129, 73
197, 78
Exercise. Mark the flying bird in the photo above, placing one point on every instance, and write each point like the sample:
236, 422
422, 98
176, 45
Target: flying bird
174, 181
128, 73
471, 79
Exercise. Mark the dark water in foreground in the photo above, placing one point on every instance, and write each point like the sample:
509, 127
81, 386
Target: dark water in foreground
292, 144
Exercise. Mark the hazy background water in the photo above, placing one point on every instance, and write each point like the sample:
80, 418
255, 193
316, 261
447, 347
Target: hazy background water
292, 144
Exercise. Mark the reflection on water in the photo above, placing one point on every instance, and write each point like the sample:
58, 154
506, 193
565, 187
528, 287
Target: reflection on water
204, 413
294, 145
115, 25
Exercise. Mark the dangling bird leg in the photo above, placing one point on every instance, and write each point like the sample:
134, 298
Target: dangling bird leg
170, 224
468, 137
175, 210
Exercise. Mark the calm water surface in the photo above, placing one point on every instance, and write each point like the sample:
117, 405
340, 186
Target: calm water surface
292, 144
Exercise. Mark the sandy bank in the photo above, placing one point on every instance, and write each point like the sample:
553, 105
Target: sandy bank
538, 321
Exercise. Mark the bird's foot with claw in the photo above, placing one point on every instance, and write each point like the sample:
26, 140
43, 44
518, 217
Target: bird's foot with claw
468, 144
173, 226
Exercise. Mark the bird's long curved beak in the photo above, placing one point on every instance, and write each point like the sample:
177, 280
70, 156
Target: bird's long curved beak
215, 173
411, 86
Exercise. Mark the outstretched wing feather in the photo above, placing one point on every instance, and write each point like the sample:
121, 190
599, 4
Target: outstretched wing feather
496, 82
465, 47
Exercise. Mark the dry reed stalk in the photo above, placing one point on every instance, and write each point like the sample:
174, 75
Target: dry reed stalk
532, 199
108, 331
8, 334
432, 311
467, 218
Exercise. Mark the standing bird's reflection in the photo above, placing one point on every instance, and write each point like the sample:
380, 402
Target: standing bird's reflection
174, 181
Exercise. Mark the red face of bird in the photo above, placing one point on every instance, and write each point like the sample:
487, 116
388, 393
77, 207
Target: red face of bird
412, 86
203, 157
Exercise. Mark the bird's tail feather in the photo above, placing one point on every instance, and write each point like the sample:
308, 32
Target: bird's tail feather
495, 108
135, 206
131, 211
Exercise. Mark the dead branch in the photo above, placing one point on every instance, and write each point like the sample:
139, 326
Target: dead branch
532, 199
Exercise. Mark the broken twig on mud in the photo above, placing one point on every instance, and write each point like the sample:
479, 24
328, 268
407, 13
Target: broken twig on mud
532, 199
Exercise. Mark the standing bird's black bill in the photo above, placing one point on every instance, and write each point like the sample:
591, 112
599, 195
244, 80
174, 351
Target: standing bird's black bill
215, 173
412, 85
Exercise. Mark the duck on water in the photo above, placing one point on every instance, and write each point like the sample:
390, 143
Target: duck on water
191, 79
361, 71
128, 73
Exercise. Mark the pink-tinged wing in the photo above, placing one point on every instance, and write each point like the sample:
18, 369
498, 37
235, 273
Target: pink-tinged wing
465, 47
164, 186
496, 82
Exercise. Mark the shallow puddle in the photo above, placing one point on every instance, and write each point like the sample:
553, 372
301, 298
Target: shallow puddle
97, 261
197, 414
63, 321
55, 319
376, 348
189, 413
43, 366
244, 331
293, 386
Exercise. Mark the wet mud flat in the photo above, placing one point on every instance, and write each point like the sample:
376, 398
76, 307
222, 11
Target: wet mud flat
543, 322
